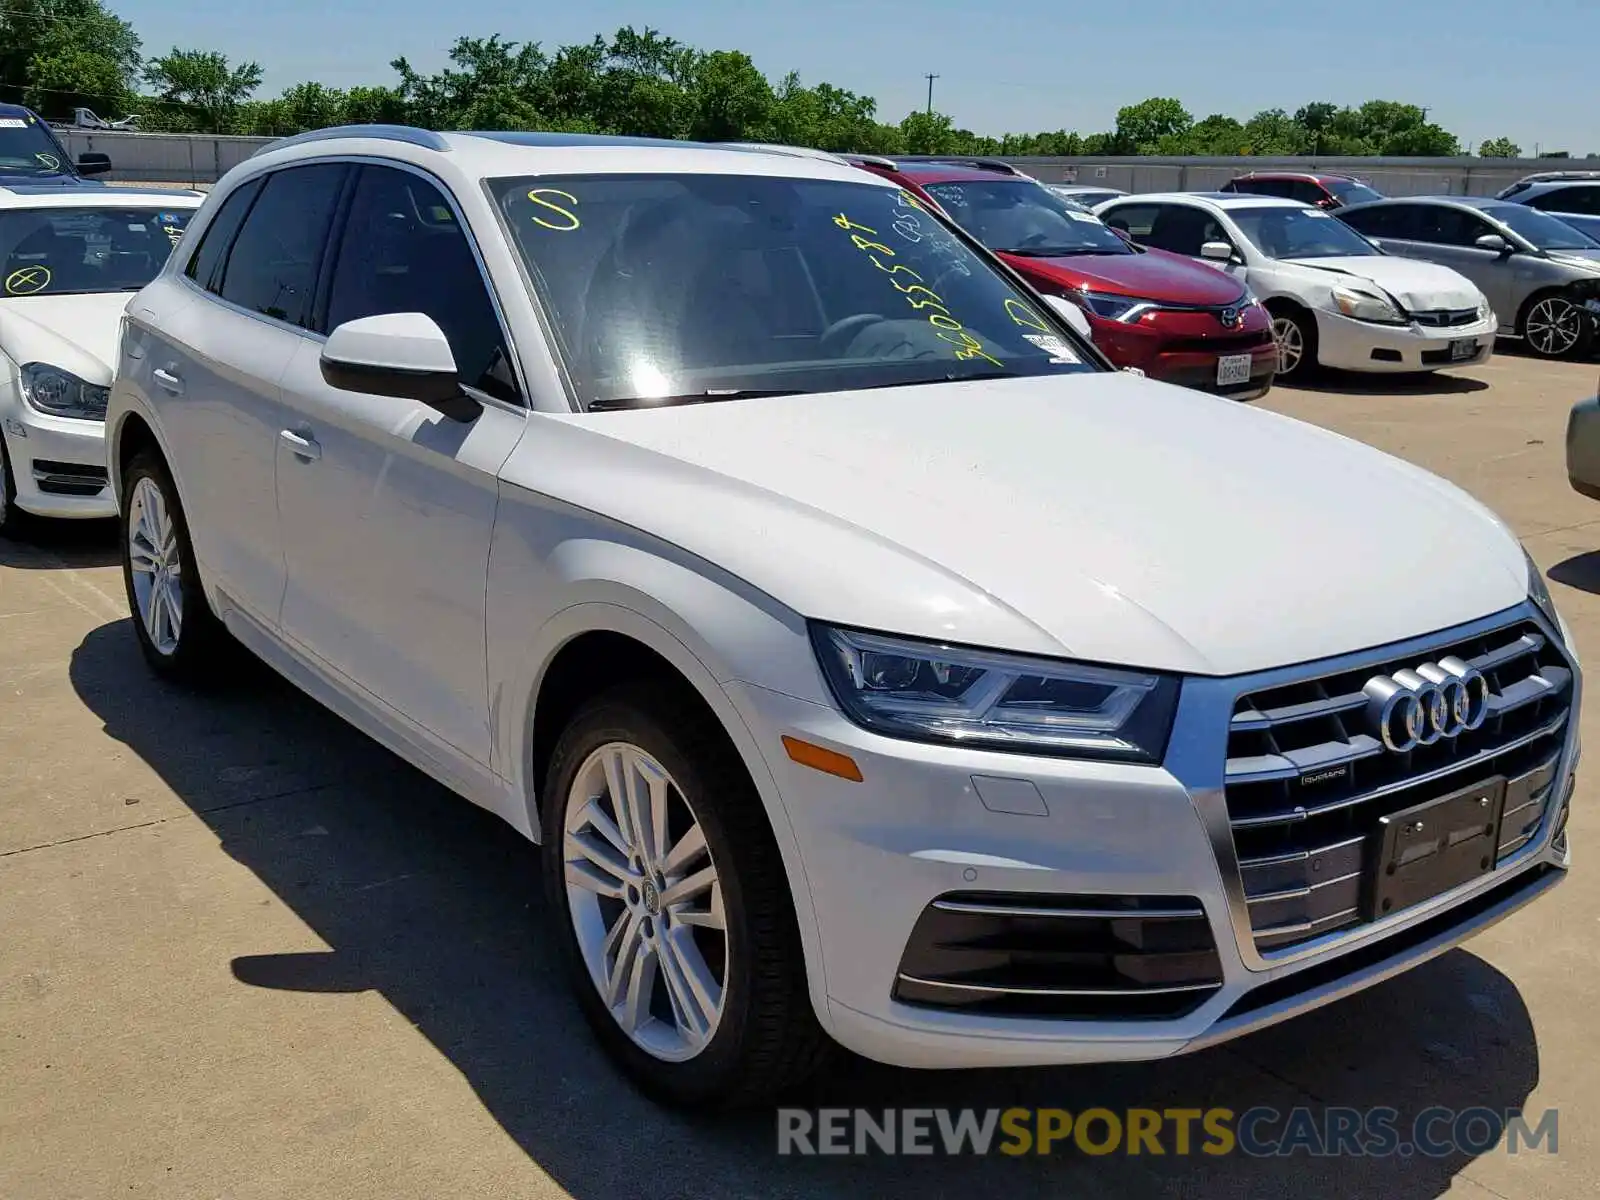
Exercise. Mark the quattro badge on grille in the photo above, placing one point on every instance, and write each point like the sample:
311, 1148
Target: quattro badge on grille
1418, 707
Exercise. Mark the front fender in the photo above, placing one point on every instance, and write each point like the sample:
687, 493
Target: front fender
555, 574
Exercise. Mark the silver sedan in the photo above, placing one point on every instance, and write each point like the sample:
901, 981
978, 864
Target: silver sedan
1541, 275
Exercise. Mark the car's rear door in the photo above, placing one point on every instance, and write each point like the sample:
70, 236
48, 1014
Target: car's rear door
209, 350
386, 505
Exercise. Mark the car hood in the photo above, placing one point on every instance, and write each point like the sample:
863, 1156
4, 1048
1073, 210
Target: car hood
1153, 275
76, 333
1098, 516
1417, 285
1589, 260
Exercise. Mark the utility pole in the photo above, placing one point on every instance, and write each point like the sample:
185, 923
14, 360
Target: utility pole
930, 78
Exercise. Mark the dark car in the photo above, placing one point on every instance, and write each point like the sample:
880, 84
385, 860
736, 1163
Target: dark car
1310, 187
1175, 319
31, 153
1575, 201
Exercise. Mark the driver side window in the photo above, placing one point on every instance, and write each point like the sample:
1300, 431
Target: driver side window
1180, 229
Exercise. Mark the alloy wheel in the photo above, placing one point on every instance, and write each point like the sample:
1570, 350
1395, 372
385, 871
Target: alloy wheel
1291, 344
157, 566
1554, 326
646, 902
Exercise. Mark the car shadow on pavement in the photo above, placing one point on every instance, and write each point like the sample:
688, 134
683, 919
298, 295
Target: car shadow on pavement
1581, 571
1422, 383
54, 545
433, 904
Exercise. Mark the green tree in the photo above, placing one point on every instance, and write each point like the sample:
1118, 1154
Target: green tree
1499, 148
66, 53
732, 100
1273, 132
1216, 135
927, 133
203, 80
1140, 127
490, 84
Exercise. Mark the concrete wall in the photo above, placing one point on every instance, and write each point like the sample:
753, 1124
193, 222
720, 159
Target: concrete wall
163, 157
190, 159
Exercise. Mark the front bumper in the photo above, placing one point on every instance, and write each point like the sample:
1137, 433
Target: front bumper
58, 464
1350, 345
929, 821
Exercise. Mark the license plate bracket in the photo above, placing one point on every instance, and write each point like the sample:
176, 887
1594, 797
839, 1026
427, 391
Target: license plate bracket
1234, 369
1463, 348
1434, 846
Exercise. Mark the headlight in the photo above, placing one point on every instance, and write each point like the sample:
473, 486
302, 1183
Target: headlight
1363, 306
1539, 593
929, 692
1117, 308
1484, 311
61, 393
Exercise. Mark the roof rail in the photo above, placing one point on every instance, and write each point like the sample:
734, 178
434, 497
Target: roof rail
873, 160
982, 164
778, 148
426, 138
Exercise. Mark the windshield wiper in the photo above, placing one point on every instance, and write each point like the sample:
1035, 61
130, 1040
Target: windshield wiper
618, 403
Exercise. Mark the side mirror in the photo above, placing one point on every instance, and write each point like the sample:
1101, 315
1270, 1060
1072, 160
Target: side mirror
1072, 315
405, 355
1217, 252
1121, 233
92, 162
1493, 241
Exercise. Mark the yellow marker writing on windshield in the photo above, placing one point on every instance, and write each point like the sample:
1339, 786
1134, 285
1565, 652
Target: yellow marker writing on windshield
568, 221
1027, 318
26, 280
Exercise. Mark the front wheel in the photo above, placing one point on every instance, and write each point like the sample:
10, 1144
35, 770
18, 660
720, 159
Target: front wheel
675, 914
1296, 335
178, 634
1555, 327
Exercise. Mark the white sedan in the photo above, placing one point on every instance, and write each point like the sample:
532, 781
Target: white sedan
1336, 299
70, 257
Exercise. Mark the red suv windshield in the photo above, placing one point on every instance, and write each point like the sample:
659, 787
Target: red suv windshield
1348, 191
1018, 216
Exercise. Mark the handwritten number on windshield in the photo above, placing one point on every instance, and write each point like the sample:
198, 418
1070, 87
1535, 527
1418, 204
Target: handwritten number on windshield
565, 221
950, 329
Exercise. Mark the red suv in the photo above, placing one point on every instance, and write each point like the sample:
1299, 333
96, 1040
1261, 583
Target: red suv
1175, 319
1323, 190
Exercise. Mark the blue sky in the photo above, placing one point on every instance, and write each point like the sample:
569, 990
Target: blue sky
1525, 70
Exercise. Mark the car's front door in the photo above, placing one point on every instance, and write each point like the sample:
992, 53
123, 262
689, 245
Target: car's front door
1447, 235
211, 365
386, 505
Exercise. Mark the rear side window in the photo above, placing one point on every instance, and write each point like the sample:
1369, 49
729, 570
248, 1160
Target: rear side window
404, 251
1441, 226
272, 267
1308, 191
1134, 219
214, 242
1265, 187
1583, 200
1183, 230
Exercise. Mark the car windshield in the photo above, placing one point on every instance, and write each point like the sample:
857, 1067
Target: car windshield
1348, 191
26, 148
1017, 216
1279, 231
61, 250
1544, 231
673, 288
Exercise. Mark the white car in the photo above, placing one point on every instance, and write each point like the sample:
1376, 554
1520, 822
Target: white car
873, 662
1086, 194
70, 258
1336, 299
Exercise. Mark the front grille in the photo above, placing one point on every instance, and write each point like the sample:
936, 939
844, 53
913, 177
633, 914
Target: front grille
1445, 318
1222, 343
1308, 781
1087, 957
68, 479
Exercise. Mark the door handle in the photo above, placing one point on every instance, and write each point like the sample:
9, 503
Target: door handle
303, 447
167, 381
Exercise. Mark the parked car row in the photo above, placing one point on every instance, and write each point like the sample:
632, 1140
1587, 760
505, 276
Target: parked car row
873, 663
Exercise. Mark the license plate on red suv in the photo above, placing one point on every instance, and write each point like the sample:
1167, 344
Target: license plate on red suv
1233, 369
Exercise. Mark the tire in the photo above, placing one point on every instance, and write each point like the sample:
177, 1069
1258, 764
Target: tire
765, 1037
1552, 326
1294, 327
193, 647
13, 521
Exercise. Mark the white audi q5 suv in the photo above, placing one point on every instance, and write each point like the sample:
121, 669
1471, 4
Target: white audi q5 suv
874, 664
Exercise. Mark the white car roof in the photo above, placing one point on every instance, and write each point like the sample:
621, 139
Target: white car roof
1225, 201
25, 196
489, 155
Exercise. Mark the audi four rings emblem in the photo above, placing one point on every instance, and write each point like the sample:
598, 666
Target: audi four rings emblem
1418, 707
